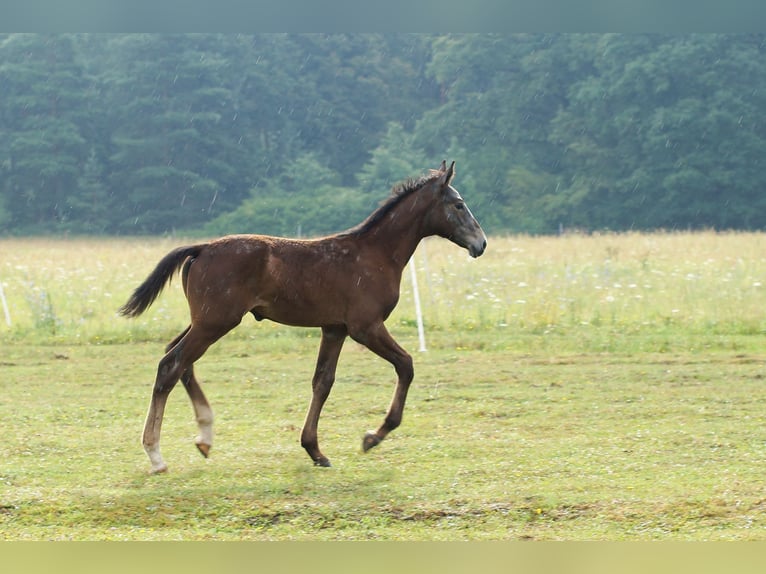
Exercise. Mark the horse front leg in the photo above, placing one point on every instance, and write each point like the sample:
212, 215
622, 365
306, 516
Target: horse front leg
379, 341
324, 377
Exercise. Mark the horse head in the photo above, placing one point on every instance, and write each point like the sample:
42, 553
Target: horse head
450, 217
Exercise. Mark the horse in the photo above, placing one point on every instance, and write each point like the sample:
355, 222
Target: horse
346, 284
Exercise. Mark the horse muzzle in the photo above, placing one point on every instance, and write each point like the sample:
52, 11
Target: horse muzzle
476, 248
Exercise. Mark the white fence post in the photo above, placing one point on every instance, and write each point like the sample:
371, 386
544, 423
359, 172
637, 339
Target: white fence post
418, 312
5, 305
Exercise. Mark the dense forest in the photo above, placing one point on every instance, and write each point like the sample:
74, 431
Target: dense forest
306, 133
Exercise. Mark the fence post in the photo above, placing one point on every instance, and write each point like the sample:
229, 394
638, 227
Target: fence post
418, 312
5, 305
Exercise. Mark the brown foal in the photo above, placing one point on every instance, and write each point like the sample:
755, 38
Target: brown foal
347, 284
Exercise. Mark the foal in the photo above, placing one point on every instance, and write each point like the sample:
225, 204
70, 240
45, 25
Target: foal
347, 284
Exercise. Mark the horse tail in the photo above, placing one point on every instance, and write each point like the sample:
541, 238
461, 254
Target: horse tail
150, 289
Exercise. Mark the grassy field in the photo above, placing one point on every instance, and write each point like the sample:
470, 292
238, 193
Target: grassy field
587, 293
575, 388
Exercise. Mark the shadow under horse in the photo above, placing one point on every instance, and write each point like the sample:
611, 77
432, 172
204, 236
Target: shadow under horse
347, 284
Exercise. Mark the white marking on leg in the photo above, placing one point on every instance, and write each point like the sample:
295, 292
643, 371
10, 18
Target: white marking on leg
205, 423
158, 464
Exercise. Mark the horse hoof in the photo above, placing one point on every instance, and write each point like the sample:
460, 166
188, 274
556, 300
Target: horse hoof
323, 462
370, 440
159, 469
203, 448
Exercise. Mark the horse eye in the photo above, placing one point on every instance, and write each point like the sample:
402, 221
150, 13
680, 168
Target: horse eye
459, 206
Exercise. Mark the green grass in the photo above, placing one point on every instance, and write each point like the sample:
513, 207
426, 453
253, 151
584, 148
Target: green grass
583, 413
495, 445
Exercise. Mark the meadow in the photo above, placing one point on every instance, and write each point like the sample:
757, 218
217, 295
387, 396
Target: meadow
583, 387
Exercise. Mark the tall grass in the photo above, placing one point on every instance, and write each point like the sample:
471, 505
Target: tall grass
599, 286
596, 288
69, 290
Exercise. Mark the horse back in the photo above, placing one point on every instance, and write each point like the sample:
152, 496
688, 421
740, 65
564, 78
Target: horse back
315, 282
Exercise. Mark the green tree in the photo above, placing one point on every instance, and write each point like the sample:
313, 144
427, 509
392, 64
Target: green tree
309, 200
146, 133
44, 96
395, 159
665, 134
500, 93
355, 84
173, 159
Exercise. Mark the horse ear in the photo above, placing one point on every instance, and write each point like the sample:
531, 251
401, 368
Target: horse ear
443, 166
448, 173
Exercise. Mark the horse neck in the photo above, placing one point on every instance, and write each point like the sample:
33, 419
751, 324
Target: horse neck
400, 231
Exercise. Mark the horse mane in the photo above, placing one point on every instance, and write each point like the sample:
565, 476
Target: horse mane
399, 192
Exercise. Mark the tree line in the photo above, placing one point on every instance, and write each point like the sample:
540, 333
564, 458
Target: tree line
305, 133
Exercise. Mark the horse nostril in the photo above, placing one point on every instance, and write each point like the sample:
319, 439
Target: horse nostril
477, 249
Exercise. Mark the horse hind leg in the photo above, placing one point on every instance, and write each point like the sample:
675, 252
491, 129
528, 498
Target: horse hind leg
182, 353
167, 376
202, 411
